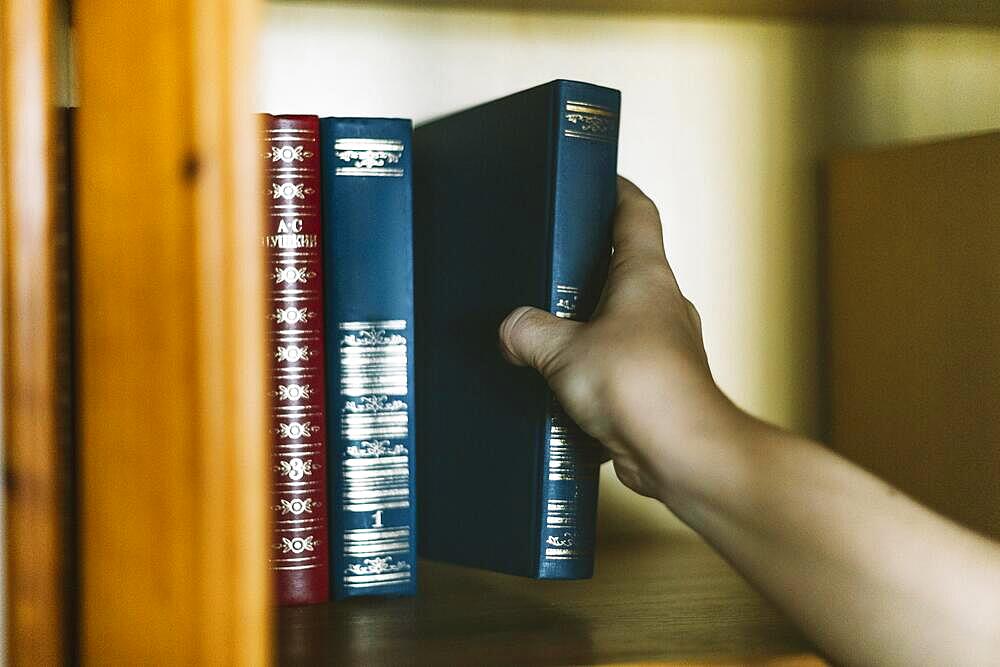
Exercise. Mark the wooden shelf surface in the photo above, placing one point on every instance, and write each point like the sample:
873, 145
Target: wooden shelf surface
669, 602
969, 12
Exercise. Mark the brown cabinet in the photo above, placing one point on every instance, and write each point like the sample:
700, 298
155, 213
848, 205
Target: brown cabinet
913, 286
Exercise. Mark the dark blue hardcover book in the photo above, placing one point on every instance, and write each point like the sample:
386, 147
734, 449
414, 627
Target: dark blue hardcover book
514, 201
368, 265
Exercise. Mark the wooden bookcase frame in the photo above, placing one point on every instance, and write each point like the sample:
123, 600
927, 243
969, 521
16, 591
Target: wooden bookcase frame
35, 534
171, 335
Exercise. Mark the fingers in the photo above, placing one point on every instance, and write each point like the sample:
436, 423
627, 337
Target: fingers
533, 337
637, 234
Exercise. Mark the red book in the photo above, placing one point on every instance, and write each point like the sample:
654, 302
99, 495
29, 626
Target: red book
293, 244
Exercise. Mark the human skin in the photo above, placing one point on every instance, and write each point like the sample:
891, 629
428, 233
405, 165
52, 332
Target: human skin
868, 574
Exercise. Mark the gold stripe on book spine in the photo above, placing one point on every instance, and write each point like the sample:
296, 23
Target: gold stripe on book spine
591, 122
368, 157
374, 427
587, 107
367, 542
571, 456
298, 501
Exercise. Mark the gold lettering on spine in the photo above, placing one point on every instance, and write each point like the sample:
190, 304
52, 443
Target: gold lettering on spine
566, 298
285, 241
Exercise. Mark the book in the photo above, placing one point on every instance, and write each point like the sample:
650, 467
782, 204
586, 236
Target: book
514, 201
368, 251
293, 244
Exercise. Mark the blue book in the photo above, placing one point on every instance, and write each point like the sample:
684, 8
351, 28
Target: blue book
368, 266
514, 201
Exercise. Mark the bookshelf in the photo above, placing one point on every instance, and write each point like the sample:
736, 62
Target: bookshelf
972, 12
171, 368
171, 529
667, 602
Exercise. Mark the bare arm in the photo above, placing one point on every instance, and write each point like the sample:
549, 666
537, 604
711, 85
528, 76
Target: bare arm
869, 575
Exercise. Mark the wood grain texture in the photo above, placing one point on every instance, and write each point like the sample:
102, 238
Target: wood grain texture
172, 374
913, 257
970, 12
667, 603
35, 481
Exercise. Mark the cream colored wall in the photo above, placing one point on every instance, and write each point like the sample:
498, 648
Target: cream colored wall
724, 124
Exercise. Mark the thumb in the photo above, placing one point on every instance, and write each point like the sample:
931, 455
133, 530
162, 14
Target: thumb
536, 338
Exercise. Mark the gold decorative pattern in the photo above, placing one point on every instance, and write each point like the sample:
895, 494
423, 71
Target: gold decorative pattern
296, 506
297, 545
372, 337
372, 404
292, 353
288, 154
291, 275
375, 475
296, 468
376, 448
592, 124
378, 566
368, 157
292, 392
565, 540
290, 191
295, 430
591, 121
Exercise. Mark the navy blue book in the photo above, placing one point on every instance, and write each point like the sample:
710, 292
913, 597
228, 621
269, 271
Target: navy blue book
368, 266
514, 201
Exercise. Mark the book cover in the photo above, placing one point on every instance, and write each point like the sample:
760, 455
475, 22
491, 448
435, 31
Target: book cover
514, 201
293, 245
368, 252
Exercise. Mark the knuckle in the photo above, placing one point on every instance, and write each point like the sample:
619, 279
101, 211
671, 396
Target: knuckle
648, 206
693, 311
646, 275
629, 193
626, 188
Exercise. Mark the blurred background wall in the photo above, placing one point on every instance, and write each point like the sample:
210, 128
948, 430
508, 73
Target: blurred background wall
725, 124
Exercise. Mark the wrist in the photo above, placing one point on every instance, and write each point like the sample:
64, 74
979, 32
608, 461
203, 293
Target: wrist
690, 438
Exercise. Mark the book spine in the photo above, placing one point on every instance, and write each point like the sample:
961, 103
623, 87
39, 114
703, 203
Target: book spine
584, 195
368, 225
293, 245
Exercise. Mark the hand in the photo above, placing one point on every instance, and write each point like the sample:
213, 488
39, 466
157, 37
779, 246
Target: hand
635, 376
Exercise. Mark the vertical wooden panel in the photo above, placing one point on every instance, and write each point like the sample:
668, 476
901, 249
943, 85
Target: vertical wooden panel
34, 480
914, 294
171, 325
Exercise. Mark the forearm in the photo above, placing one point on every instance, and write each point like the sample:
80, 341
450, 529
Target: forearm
869, 573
